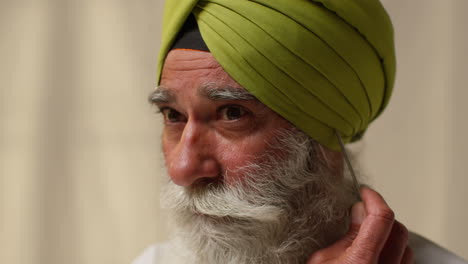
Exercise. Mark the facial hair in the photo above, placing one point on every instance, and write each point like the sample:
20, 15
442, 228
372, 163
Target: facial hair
284, 208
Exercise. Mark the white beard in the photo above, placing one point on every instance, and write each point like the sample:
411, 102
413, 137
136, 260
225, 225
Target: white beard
284, 209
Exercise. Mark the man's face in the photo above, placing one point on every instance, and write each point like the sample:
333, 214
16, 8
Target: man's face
211, 124
253, 188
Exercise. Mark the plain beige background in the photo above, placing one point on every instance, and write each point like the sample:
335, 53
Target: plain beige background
80, 158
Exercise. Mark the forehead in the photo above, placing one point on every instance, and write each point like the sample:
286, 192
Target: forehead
190, 66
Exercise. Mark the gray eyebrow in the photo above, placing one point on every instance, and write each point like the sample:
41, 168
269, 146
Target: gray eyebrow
216, 93
161, 95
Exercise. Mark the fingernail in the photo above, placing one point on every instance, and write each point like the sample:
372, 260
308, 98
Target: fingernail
358, 213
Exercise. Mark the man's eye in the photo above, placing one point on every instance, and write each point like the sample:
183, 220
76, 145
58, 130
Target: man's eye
172, 115
232, 112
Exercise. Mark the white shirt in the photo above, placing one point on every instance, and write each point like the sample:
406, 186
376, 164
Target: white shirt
425, 252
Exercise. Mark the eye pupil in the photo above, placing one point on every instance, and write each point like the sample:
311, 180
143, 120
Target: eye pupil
172, 115
233, 113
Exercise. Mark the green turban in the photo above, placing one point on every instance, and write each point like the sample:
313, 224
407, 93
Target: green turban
324, 65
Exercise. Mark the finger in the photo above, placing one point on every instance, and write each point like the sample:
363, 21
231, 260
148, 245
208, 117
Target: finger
408, 256
375, 228
358, 215
335, 250
395, 246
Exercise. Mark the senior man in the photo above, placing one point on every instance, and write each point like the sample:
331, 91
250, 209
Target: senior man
258, 97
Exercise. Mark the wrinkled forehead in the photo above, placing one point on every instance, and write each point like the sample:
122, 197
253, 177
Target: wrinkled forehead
195, 68
185, 59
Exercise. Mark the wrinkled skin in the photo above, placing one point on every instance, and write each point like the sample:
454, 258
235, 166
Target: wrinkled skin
203, 138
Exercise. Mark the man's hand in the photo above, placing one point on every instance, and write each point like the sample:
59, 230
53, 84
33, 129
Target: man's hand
374, 236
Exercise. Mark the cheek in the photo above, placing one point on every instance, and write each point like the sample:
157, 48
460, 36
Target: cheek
239, 154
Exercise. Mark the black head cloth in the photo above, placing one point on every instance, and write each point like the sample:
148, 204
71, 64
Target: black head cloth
189, 37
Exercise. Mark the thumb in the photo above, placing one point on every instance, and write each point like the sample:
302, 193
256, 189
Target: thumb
358, 214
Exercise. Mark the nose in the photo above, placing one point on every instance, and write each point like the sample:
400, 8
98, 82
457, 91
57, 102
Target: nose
193, 157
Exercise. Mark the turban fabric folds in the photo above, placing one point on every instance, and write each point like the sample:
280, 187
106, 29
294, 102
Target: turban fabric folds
324, 65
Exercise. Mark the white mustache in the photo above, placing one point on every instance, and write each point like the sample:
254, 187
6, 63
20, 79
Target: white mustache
218, 203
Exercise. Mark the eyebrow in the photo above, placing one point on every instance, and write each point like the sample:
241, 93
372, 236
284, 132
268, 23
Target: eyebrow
213, 92
161, 95
216, 93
